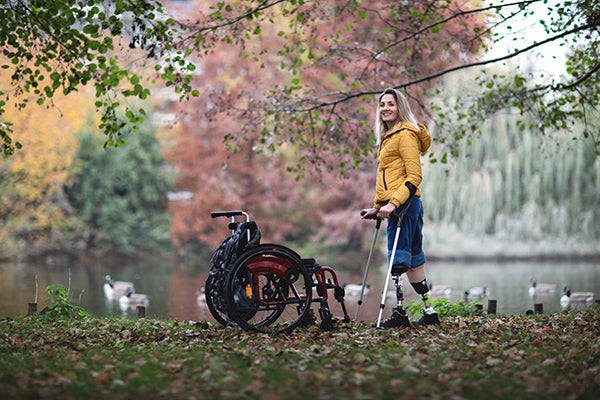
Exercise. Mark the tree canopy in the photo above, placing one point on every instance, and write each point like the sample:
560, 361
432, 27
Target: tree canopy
332, 57
294, 80
62, 46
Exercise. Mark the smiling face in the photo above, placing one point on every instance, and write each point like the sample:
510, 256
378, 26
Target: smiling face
388, 110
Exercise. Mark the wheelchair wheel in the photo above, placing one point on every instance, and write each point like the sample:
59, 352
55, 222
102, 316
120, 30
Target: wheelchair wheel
216, 303
268, 290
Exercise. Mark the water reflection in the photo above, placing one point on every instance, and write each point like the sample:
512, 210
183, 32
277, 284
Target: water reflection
176, 293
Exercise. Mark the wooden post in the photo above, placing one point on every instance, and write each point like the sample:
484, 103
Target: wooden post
492, 305
538, 308
141, 311
31, 308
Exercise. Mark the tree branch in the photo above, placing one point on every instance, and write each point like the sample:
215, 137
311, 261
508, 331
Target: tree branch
562, 86
347, 96
450, 18
264, 5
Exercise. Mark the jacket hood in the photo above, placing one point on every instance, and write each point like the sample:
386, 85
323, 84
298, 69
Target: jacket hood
420, 132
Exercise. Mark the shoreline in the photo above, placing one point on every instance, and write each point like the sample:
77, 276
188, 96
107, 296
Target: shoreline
443, 244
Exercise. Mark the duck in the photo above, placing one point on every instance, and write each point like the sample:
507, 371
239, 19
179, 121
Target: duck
114, 290
564, 298
439, 290
477, 293
131, 300
581, 298
353, 289
540, 288
201, 298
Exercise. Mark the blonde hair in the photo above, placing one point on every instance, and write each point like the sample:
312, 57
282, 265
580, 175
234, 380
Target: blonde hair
404, 114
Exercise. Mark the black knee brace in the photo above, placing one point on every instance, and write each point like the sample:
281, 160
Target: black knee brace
420, 287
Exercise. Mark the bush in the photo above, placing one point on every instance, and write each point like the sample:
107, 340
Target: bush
445, 308
59, 305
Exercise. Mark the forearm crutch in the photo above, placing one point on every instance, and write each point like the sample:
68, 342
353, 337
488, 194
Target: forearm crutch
362, 289
399, 213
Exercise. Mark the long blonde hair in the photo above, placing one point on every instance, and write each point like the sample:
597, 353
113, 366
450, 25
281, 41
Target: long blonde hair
405, 114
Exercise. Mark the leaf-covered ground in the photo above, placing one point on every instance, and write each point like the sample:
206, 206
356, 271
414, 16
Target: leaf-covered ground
534, 357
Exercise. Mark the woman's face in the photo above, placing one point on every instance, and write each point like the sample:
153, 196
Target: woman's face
388, 109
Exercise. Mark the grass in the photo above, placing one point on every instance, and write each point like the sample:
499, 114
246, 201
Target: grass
539, 356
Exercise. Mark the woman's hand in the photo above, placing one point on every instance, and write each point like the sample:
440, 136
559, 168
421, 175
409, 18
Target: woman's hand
385, 211
369, 213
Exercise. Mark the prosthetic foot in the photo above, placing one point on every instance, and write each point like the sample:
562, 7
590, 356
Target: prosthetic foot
398, 319
430, 317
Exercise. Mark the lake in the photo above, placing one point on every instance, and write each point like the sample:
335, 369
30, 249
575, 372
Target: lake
174, 290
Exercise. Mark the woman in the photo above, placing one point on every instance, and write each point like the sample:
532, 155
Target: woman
401, 141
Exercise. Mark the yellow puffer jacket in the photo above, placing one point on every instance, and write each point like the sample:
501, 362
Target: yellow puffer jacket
399, 162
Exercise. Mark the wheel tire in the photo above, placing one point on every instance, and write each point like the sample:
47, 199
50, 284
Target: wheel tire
268, 290
218, 313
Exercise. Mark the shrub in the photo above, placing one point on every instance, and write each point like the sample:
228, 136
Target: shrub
445, 308
59, 305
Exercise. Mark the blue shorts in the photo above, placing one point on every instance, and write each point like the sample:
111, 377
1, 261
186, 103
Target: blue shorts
409, 251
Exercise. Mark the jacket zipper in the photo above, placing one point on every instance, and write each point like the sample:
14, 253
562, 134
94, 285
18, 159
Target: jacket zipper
384, 182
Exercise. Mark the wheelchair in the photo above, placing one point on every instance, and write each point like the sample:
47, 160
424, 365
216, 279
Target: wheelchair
267, 288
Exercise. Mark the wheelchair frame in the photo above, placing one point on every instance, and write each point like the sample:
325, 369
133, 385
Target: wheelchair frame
269, 288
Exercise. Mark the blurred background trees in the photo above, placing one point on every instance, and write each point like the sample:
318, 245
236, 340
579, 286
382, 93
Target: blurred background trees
119, 198
267, 107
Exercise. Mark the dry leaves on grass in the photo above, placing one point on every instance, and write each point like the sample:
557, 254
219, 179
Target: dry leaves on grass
467, 357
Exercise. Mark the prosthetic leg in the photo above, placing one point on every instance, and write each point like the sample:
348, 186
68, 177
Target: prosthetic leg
430, 317
398, 319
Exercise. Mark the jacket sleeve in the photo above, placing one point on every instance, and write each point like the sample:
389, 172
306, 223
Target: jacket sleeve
408, 148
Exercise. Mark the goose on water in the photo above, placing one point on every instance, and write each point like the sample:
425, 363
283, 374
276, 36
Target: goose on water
114, 290
569, 298
477, 293
541, 288
439, 290
353, 289
131, 300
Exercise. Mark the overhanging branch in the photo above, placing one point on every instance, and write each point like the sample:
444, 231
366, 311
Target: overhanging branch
448, 19
343, 97
562, 86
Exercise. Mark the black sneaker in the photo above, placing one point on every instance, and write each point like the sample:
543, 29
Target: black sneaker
396, 320
430, 317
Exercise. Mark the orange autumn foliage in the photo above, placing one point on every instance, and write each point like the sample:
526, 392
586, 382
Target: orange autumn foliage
32, 179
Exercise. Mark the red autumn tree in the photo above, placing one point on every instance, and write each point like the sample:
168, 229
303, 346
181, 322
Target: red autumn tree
285, 93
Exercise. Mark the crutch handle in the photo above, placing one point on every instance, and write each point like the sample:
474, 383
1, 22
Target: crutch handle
216, 214
375, 217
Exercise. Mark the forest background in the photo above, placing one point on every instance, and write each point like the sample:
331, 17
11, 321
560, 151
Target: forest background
499, 184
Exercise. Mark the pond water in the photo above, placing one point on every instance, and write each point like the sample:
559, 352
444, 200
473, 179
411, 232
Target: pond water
174, 291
